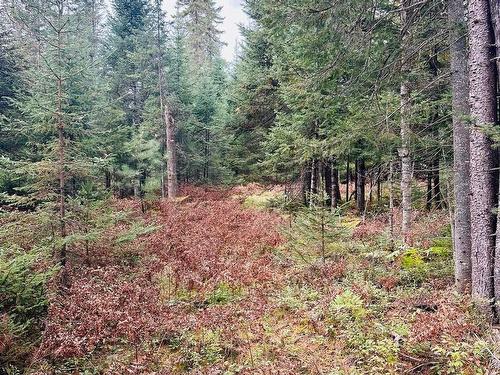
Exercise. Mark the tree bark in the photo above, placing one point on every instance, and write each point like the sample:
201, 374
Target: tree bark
61, 142
404, 151
172, 186
461, 145
483, 112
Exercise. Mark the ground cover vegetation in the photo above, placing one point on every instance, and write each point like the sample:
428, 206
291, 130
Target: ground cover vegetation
326, 203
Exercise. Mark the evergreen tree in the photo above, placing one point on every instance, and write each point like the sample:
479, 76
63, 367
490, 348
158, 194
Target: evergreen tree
133, 84
51, 107
202, 19
206, 78
253, 98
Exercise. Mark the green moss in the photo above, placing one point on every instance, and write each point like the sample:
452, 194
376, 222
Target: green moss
412, 260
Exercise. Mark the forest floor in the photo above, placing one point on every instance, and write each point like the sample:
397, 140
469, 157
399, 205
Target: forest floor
216, 289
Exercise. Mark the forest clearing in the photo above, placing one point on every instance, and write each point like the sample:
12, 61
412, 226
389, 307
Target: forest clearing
218, 288
249, 187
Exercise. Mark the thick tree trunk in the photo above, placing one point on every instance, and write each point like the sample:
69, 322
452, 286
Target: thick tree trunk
461, 145
404, 151
360, 185
482, 161
171, 155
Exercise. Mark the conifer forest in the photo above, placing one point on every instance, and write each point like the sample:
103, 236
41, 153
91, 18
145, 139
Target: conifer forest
311, 188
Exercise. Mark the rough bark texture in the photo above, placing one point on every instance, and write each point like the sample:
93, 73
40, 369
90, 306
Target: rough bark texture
171, 155
483, 112
461, 145
404, 151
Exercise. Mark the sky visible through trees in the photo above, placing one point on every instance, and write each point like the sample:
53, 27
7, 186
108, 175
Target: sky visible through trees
234, 16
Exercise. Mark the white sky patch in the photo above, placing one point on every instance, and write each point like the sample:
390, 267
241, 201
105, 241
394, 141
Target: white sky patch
233, 16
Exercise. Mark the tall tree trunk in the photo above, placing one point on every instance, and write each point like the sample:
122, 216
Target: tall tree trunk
406, 164
61, 141
360, 185
404, 151
482, 160
163, 116
171, 155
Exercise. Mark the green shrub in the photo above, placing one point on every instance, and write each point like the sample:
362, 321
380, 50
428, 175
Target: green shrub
462, 357
348, 306
23, 301
199, 349
295, 298
23, 285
